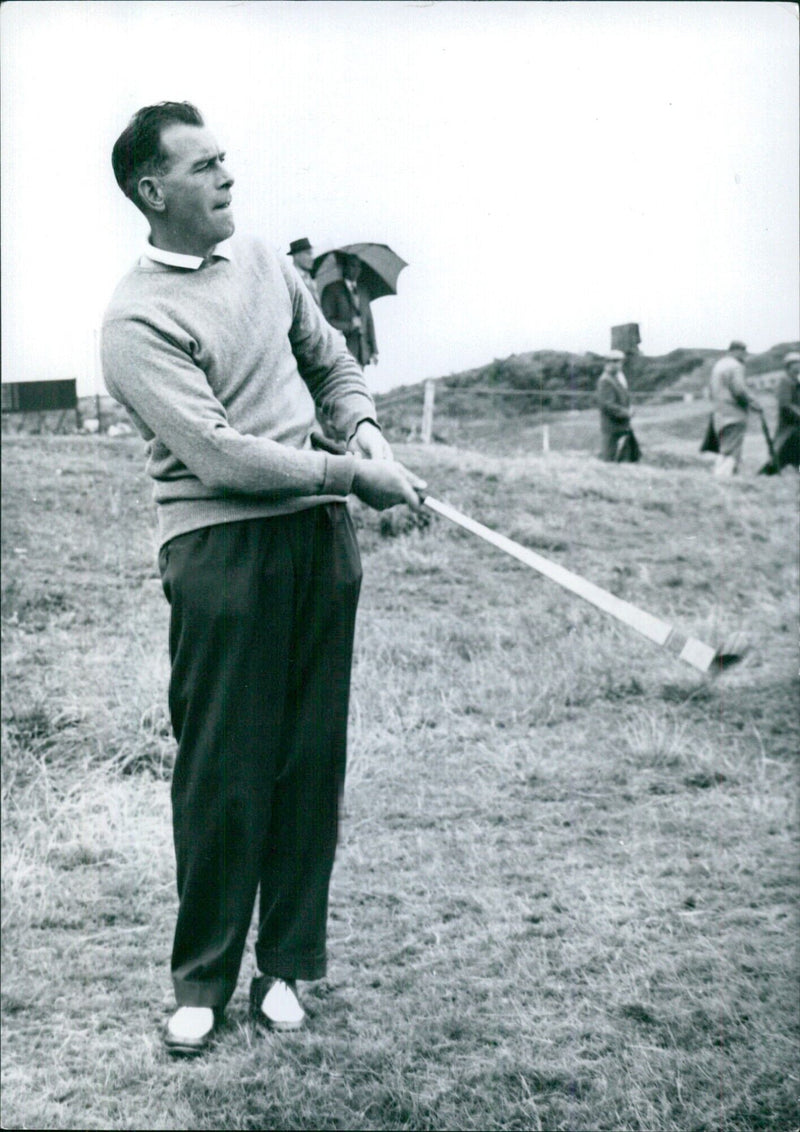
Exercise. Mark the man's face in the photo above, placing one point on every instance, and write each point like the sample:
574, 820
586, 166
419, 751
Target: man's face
793, 369
740, 355
304, 259
352, 269
195, 190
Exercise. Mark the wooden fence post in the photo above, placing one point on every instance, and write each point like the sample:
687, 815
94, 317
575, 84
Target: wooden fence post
96, 370
426, 432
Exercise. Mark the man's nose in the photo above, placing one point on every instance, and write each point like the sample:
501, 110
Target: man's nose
226, 178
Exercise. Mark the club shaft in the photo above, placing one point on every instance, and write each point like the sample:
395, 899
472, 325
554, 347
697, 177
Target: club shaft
661, 633
770, 446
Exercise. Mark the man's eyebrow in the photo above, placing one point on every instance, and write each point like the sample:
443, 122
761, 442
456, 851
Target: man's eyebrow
207, 159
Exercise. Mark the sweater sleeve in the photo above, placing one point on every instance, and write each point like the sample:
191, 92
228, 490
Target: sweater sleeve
739, 390
332, 374
170, 399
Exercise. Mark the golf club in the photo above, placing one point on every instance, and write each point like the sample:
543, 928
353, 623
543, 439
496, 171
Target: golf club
689, 649
772, 467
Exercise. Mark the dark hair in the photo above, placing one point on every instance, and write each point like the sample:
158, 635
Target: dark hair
137, 151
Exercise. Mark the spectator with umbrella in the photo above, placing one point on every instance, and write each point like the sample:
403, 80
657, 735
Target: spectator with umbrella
349, 279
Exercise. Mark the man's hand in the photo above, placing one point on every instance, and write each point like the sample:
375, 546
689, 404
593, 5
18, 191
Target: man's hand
380, 481
368, 441
384, 483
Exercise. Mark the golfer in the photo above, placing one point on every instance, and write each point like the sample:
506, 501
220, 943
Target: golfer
220, 356
732, 401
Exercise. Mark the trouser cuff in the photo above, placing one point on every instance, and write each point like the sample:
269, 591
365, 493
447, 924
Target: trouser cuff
215, 994
307, 965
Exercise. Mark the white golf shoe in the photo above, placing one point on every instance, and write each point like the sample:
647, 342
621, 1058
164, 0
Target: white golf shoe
189, 1030
274, 1003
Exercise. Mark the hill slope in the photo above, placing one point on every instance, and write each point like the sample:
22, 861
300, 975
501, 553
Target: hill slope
543, 382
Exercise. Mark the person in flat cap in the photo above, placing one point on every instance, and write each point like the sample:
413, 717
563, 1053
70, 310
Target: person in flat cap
732, 402
787, 438
618, 443
302, 254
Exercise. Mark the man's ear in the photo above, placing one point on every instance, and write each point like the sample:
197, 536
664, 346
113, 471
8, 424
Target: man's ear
151, 194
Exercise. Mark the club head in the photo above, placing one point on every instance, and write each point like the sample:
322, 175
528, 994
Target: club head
732, 650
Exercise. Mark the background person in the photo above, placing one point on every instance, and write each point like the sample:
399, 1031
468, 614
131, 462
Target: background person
787, 437
345, 304
302, 255
732, 401
617, 439
219, 355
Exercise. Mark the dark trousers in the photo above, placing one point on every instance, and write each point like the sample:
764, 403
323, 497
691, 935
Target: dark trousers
261, 641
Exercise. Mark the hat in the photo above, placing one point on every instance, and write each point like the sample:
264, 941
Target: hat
736, 345
615, 356
791, 357
303, 245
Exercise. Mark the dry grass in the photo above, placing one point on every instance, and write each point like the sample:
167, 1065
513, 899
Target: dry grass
566, 892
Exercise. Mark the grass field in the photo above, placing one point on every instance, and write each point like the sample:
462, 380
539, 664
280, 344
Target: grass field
566, 889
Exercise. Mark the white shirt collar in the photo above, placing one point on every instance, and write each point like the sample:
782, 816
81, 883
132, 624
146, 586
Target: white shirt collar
179, 259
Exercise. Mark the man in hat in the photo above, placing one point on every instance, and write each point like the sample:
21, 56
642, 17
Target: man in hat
787, 438
302, 255
345, 304
220, 354
732, 401
618, 442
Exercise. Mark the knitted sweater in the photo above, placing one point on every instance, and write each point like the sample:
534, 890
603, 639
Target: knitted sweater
219, 369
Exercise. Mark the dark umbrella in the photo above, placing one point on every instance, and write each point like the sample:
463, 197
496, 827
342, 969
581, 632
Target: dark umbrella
380, 267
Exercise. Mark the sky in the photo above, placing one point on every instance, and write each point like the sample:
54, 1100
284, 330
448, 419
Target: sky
547, 170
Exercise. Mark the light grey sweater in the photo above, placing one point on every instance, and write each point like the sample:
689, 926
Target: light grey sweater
219, 369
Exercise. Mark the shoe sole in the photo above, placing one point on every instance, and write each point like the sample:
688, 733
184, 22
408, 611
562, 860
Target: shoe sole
185, 1049
261, 1019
